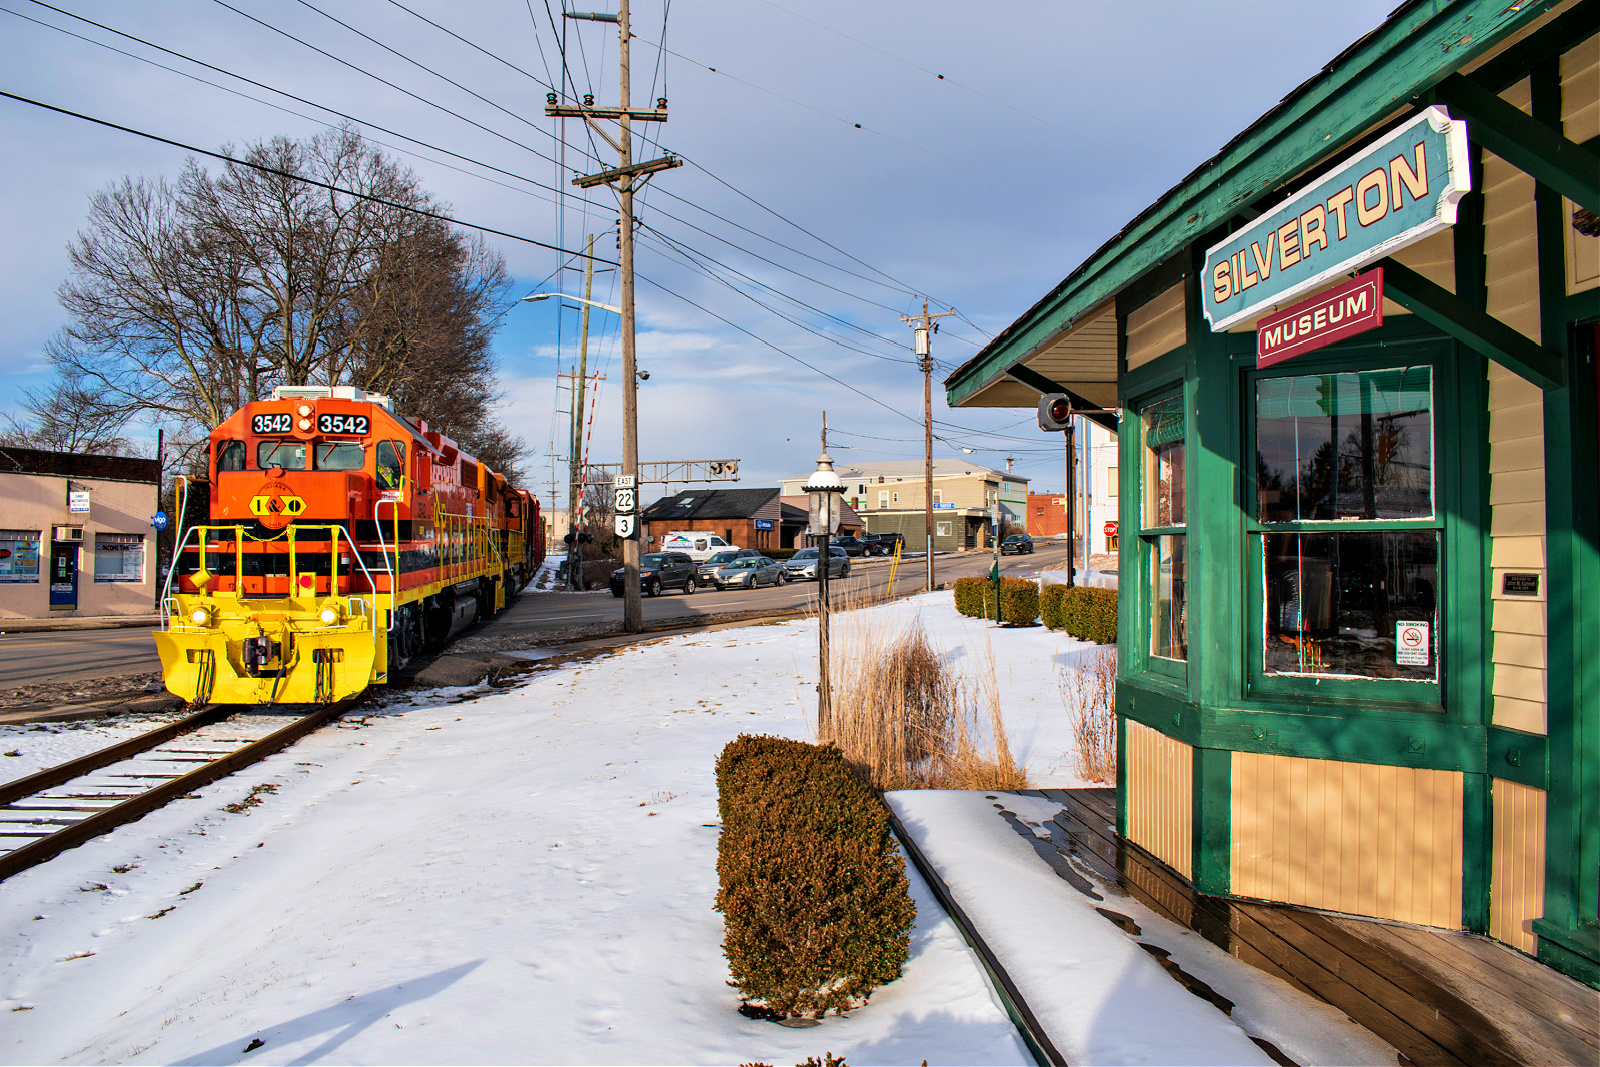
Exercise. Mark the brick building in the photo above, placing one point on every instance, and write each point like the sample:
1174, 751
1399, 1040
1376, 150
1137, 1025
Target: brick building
76, 537
750, 518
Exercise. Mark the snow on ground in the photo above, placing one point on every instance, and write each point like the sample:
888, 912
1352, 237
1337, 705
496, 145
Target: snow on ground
25, 749
511, 876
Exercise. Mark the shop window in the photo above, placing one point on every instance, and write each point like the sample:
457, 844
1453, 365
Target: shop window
391, 464
230, 455
938, 496
1345, 529
118, 557
1162, 521
1111, 481
290, 455
340, 455
19, 556
942, 529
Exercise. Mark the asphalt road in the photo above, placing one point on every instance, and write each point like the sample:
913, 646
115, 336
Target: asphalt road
67, 655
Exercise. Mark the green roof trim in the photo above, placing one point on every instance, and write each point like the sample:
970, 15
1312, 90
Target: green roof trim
1419, 45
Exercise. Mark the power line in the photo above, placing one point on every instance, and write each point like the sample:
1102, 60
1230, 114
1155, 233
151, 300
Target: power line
297, 177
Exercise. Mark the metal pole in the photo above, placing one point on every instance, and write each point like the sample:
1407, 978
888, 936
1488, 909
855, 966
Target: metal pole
1072, 510
927, 441
575, 457
824, 565
632, 604
1084, 447
161, 481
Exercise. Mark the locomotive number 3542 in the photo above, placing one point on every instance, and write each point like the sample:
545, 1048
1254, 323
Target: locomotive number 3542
280, 423
342, 424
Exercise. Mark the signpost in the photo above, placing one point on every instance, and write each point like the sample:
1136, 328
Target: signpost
626, 504
1397, 192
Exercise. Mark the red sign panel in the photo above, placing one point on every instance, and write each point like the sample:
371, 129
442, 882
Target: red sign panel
1110, 529
1340, 312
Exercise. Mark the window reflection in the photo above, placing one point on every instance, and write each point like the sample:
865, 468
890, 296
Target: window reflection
290, 455
1345, 446
1164, 463
1169, 628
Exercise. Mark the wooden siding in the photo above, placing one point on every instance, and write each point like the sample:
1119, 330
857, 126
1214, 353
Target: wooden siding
1160, 800
1084, 357
1516, 534
1516, 891
1156, 328
1350, 837
1510, 242
1580, 122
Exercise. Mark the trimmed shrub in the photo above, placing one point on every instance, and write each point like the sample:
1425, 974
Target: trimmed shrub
813, 891
779, 554
1019, 601
1050, 605
974, 597
1090, 614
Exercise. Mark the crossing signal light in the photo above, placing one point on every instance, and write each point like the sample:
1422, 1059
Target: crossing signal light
1055, 412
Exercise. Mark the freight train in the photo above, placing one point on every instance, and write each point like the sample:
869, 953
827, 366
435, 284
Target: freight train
342, 538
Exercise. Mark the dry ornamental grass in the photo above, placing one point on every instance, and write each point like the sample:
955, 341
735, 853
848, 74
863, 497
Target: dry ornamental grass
1090, 695
906, 720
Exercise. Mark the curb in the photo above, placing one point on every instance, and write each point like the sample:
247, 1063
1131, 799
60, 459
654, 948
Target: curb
107, 622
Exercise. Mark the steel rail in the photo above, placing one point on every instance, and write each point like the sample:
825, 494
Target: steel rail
135, 807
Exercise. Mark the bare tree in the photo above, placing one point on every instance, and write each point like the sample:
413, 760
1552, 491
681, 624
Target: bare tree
190, 298
66, 417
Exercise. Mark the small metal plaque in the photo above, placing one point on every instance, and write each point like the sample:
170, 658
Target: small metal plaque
1520, 585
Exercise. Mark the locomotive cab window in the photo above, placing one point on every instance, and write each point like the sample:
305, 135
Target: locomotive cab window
340, 455
391, 463
230, 455
290, 455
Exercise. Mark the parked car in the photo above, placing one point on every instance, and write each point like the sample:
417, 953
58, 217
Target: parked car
709, 566
658, 571
885, 542
803, 564
855, 546
749, 572
698, 545
1016, 543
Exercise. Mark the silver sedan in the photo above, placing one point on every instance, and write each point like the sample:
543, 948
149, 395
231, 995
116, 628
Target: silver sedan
748, 572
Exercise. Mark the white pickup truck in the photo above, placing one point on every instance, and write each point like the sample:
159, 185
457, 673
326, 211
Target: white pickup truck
698, 545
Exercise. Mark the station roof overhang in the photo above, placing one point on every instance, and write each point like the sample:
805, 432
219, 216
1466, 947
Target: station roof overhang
1067, 342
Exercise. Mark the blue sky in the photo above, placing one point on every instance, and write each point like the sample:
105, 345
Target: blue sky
1053, 125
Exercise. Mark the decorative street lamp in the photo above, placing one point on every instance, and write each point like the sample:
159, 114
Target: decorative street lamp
827, 502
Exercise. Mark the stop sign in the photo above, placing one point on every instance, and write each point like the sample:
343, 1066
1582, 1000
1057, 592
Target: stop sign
1111, 529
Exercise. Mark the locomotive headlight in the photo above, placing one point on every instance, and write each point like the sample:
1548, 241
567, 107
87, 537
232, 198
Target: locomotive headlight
201, 616
305, 424
329, 616
304, 409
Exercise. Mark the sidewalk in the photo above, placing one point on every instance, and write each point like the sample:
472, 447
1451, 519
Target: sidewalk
88, 622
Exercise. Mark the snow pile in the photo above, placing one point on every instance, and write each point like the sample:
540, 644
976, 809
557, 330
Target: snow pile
27, 748
513, 876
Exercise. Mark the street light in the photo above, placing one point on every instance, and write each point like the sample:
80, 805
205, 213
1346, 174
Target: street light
827, 499
577, 299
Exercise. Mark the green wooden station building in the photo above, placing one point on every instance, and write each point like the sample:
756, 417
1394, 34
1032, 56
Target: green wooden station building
1359, 662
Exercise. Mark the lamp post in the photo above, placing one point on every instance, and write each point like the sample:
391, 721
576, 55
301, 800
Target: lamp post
827, 493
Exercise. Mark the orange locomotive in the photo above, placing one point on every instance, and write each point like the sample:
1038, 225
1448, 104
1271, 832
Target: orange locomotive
343, 539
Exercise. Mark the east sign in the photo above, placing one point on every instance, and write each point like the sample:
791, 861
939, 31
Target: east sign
1398, 191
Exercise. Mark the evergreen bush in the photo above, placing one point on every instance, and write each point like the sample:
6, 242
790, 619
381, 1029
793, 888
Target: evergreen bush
974, 597
779, 554
812, 888
1090, 614
1050, 605
1019, 601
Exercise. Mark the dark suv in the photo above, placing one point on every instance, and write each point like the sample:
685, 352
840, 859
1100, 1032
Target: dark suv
856, 546
658, 571
884, 543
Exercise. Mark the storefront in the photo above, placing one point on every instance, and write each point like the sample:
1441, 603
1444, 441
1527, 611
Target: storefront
77, 538
1354, 357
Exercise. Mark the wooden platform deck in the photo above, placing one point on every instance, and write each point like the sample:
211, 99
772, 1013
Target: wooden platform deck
1436, 996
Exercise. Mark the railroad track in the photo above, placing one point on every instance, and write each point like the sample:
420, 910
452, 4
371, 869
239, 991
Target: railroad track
63, 806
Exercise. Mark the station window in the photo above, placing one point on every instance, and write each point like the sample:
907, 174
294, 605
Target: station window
289, 455
230, 455
1345, 528
1162, 520
340, 455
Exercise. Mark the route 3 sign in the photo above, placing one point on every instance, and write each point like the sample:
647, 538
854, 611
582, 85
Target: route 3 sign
627, 525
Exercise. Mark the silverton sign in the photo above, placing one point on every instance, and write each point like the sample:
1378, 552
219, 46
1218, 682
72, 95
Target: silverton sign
1394, 193
1330, 316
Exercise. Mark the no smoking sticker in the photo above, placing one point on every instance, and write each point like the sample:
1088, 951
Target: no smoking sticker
1411, 643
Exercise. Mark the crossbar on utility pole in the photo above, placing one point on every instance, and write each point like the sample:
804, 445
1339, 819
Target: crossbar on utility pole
924, 325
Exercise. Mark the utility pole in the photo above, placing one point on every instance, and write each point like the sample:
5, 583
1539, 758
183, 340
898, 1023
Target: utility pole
628, 177
1071, 502
575, 456
925, 325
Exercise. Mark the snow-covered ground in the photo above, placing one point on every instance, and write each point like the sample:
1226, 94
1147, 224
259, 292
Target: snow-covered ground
535, 884
513, 876
32, 747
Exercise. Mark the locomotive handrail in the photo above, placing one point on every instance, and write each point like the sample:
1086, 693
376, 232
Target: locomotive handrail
377, 524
